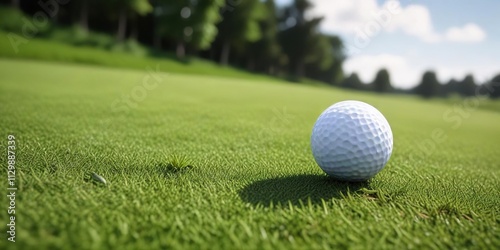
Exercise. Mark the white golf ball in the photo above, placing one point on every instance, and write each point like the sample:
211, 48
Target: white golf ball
351, 141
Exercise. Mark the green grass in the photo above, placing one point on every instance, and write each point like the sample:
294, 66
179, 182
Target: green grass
49, 50
217, 162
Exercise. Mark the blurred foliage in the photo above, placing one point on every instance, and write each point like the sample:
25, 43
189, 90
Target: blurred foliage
494, 87
301, 40
266, 54
141, 7
240, 24
14, 20
77, 36
468, 86
429, 85
130, 46
382, 82
353, 82
187, 22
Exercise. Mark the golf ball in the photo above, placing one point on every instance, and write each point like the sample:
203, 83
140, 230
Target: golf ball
351, 141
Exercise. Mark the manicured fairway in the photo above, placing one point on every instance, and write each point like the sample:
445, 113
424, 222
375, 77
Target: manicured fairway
252, 184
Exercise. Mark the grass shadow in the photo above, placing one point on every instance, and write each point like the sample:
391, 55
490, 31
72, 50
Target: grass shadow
298, 189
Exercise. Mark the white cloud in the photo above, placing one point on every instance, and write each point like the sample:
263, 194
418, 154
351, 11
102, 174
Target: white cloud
344, 16
405, 73
355, 17
470, 33
415, 20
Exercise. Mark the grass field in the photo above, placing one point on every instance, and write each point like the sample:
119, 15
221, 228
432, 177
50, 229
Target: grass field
49, 50
252, 184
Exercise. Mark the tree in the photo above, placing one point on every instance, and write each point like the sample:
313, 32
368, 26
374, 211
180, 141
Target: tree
239, 25
337, 49
81, 10
266, 53
467, 87
494, 87
188, 22
84, 15
428, 86
127, 8
353, 82
382, 82
449, 88
301, 40
327, 64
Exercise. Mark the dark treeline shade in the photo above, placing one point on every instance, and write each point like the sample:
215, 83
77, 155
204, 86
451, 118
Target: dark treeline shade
382, 82
494, 87
353, 82
252, 34
429, 87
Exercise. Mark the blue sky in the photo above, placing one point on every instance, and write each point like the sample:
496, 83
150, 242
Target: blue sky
452, 37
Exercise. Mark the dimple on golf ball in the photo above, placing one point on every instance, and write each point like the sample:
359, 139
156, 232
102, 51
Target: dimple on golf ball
351, 141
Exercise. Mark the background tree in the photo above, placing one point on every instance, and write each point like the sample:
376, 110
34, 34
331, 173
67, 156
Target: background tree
382, 82
301, 40
429, 85
467, 87
239, 25
451, 87
188, 22
495, 87
265, 55
336, 73
84, 15
326, 66
125, 9
80, 11
257, 30
353, 82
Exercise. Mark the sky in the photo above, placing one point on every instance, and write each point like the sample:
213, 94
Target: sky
452, 37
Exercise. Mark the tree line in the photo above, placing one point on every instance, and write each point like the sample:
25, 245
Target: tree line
253, 34
429, 86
